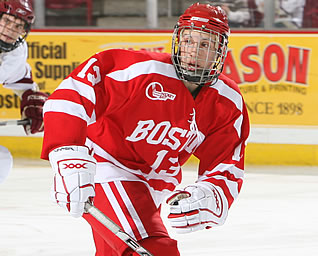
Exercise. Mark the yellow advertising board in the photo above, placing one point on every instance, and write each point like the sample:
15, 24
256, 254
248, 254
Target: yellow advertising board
276, 73
53, 55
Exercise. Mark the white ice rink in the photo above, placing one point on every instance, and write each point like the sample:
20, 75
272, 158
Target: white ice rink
276, 214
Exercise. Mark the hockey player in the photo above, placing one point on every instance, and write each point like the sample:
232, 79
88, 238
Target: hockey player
121, 125
15, 73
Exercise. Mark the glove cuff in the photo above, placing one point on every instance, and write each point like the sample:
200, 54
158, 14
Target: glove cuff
72, 153
70, 150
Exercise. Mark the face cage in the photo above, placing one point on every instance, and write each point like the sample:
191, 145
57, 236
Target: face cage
207, 75
8, 47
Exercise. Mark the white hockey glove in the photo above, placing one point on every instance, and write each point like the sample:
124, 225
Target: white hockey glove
74, 171
197, 207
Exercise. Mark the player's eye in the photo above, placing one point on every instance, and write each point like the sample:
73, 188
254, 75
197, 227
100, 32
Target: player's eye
205, 44
19, 26
6, 21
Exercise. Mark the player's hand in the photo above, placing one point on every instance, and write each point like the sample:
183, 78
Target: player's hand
32, 108
197, 207
74, 171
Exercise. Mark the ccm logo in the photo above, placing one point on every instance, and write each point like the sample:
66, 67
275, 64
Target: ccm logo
76, 166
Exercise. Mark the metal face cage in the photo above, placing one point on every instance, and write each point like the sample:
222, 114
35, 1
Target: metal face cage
198, 54
13, 32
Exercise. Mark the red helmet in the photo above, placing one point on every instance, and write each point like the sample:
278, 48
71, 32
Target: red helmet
208, 19
211, 17
19, 8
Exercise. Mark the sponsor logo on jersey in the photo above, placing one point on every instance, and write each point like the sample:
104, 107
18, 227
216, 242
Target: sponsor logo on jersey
154, 91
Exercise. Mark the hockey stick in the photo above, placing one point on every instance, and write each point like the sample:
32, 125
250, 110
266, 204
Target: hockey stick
15, 122
113, 227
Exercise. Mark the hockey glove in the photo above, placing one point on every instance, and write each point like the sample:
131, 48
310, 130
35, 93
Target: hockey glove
74, 170
32, 108
197, 207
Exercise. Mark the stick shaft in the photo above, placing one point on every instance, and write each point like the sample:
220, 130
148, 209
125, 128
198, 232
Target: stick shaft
113, 227
15, 122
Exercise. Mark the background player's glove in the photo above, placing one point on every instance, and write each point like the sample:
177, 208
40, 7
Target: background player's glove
197, 207
32, 108
74, 171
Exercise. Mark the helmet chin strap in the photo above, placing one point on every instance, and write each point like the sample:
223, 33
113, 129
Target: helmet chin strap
191, 77
6, 47
197, 79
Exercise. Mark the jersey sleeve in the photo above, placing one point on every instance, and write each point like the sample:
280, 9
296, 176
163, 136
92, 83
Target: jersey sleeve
68, 111
15, 72
221, 154
71, 107
82, 99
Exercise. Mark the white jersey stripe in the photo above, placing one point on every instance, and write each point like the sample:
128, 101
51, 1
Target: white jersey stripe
231, 168
120, 172
116, 207
93, 118
131, 209
238, 125
233, 96
141, 68
229, 93
237, 153
83, 89
66, 107
151, 176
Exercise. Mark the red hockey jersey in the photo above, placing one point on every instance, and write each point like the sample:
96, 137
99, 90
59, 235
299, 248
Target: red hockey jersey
131, 108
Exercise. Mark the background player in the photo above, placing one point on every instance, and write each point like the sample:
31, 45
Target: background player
144, 114
15, 73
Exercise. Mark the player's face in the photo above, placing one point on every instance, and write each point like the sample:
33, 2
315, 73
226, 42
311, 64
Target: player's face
11, 28
197, 50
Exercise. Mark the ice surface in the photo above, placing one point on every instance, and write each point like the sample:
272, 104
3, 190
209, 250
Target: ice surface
275, 214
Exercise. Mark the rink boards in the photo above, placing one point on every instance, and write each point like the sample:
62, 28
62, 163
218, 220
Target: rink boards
256, 153
275, 71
